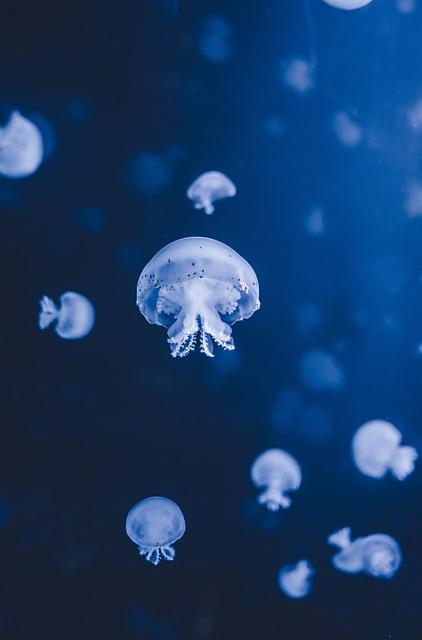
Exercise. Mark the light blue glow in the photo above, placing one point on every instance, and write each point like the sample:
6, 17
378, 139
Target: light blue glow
208, 188
215, 39
74, 317
21, 147
295, 580
278, 472
320, 370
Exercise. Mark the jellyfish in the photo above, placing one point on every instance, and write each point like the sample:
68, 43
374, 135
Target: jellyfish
347, 4
278, 472
208, 188
377, 555
21, 147
197, 287
376, 449
155, 524
348, 132
74, 317
215, 39
295, 580
297, 74
319, 370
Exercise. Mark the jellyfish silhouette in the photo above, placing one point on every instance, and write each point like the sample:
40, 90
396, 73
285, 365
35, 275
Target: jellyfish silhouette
347, 4
278, 472
74, 318
21, 147
295, 580
208, 188
197, 286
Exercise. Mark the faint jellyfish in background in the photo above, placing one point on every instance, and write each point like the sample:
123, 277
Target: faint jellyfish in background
78, 110
413, 202
348, 132
150, 173
414, 116
197, 286
377, 555
295, 580
21, 147
215, 39
347, 4
274, 126
406, 6
74, 317
319, 370
376, 450
208, 188
297, 74
278, 472
91, 219
155, 524
307, 318
314, 221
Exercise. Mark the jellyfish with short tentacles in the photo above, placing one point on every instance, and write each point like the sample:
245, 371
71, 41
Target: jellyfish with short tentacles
74, 317
295, 580
376, 449
348, 5
208, 188
278, 472
21, 147
377, 555
155, 524
197, 286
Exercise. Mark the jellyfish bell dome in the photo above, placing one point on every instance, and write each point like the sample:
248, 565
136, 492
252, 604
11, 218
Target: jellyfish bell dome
278, 472
197, 286
74, 317
208, 188
21, 147
347, 4
295, 580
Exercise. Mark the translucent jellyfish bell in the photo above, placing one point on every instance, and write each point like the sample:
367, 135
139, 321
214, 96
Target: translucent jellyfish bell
197, 286
208, 188
278, 472
295, 580
376, 449
155, 524
74, 317
348, 4
21, 147
377, 555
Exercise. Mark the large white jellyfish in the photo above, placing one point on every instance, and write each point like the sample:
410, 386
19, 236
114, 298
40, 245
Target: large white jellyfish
74, 317
197, 286
376, 449
347, 4
208, 188
155, 524
278, 472
295, 580
377, 555
21, 147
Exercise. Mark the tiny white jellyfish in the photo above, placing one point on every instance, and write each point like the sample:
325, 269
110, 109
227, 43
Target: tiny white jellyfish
74, 317
314, 221
377, 555
278, 472
347, 4
21, 147
295, 580
208, 188
155, 524
197, 286
376, 449
297, 74
348, 132
406, 6
413, 202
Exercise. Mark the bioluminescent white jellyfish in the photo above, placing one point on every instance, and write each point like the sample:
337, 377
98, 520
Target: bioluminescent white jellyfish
155, 524
297, 74
295, 580
278, 472
376, 449
377, 555
215, 39
348, 132
314, 221
197, 286
74, 317
347, 4
21, 147
208, 188
319, 370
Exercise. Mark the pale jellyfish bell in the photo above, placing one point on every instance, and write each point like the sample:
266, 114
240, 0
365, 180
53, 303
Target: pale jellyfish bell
197, 286
347, 4
21, 147
155, 524
74, 317
278, 472
376, 450
208, 188
295, 580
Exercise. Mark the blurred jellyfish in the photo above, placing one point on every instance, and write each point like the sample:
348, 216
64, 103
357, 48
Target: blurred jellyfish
347, 4
377, 555
376, 449
414, 116
295, 580
297, 74
278, 472
413, 203
90, 219
197, 286
149, 173
215, 39
74, 318
308, 317
208, 188
314, 221
155, 524
406, 6
347, 131
274, 126
319, 370
21, 147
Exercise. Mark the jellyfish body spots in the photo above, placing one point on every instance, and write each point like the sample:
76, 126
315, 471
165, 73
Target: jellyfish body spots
295, 580
155, 524
74, 317
347, 4
21, 147
208, 188
376, 449
196, 288
278, 472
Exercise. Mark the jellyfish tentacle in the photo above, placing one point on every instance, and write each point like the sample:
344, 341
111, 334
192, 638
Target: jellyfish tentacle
168, 552
48, 313
206, 345
341, 538
208, 207
274, 499
403, 462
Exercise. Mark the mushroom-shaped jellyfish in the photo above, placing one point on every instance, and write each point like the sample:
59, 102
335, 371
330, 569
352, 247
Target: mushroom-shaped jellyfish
377, 555
155, 524
197, 286
295, 580
208, 188
376, 449
278, 472
347, 4
21, 147
74, 317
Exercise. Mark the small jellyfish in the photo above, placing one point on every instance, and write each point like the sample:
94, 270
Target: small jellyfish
278, 472
297, 74
197, 286
377, 555
295, 580
347, 4
74, 318
348, 132
208, 188
319, 370
215, 39
376, 449
155, 524
21, 147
